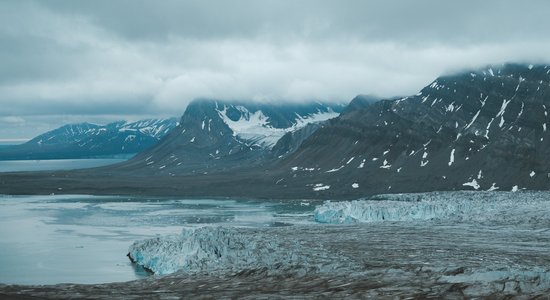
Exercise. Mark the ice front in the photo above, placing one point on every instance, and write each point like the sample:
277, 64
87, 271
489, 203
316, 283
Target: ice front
208, 249
438, 206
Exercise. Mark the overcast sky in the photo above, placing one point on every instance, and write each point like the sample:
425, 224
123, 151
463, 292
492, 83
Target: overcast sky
98, 61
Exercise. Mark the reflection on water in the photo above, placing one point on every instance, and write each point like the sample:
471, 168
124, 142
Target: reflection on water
84, 239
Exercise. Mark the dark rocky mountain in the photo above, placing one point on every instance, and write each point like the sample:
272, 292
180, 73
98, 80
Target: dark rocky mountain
89, 140
360, 102
214, 136
291, 141
294, 139
481, 130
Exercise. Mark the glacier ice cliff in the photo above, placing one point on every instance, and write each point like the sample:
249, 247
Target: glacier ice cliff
386, 210
207, 249
458, 206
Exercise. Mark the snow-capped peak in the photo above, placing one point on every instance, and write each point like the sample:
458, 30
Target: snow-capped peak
156, 128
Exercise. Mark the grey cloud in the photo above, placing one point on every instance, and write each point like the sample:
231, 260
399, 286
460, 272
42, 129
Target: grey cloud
461, 22
29, 106
137, 57
30, 59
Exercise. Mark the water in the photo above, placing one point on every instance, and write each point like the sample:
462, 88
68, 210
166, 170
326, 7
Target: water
84, 239
55, 164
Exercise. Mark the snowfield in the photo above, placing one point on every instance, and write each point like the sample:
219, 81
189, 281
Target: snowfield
255, 126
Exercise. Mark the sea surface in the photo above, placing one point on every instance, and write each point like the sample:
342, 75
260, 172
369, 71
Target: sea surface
56, 164
85, 239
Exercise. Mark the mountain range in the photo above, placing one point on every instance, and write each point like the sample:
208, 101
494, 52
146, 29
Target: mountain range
483, 129
87, 140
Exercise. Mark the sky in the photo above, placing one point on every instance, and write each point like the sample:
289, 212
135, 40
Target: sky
66, 61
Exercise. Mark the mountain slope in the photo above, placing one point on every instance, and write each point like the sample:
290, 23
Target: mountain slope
213, 136
482, 130
90, 140
294, 139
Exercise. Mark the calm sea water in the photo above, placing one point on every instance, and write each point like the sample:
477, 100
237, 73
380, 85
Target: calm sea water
55, 164
85, 239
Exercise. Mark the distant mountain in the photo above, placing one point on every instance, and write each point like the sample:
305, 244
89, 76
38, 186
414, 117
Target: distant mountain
213, 136
86, 140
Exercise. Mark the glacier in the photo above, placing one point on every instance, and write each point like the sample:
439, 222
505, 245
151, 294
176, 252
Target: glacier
483, 243
209, 249
385, 210
455, 206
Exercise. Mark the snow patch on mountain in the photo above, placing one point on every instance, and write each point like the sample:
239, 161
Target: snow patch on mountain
156, 128
473, 183
255, 126
452, 157
320, 187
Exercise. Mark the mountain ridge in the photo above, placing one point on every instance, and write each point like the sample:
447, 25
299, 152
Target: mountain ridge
87, 140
